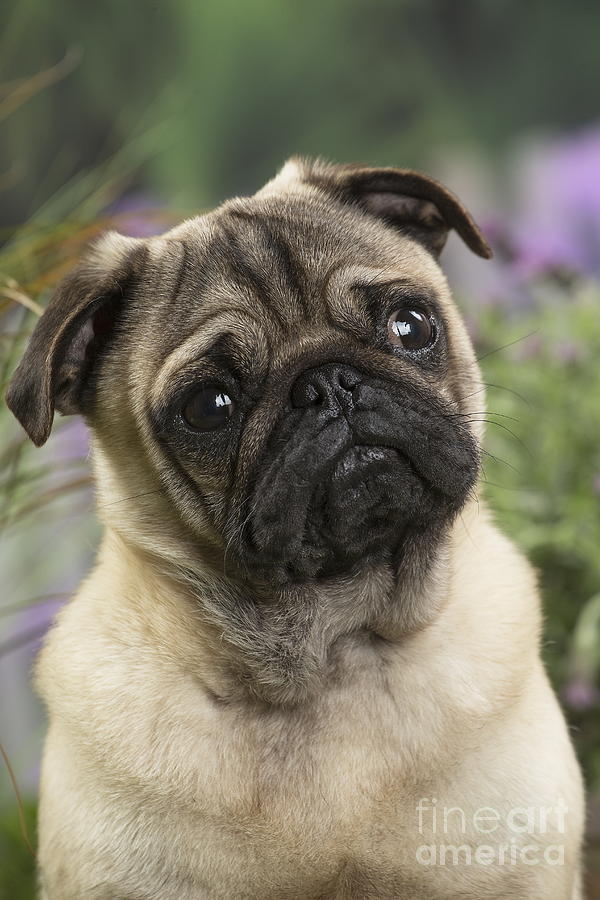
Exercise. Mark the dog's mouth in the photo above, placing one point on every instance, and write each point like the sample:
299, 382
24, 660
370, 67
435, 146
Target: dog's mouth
355, 512
355, 508
340, 492
366, 482
352, 464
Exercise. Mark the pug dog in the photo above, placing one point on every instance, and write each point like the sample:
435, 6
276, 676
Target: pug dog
306, 663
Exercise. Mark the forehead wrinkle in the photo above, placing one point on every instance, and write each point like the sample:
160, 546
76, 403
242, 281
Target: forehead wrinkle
289, 274
181, 250
288, 297
200, 341
223, 297
351, 280
295, 250
345, 304
286, 256
251, 348
200, 265
248, 268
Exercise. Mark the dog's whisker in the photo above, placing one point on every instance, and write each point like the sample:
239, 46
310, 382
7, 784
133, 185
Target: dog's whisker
500, 387
510, 487
134, 497
237, 533
518, 340
483, 412
500, 460
488, 421
508, 390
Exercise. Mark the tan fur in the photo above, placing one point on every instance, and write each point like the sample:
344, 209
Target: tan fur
175, 792
176, 767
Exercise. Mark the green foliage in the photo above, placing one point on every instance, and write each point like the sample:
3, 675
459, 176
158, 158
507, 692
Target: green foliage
544, 481
17, 867
222, 91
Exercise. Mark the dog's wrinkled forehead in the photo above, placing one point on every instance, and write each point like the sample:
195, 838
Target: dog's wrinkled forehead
273, 270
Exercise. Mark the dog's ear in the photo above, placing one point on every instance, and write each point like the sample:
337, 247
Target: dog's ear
409, 201
72, 332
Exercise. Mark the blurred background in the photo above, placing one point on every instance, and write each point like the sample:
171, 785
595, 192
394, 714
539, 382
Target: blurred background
133, 115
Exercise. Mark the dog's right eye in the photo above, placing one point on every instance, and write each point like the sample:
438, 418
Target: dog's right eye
411, 329
209, 408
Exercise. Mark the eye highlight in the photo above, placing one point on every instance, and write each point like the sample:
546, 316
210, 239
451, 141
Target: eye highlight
209, 408
411, 329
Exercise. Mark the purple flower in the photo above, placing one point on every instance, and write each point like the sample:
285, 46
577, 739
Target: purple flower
558, 205
72, 441
139, 215
542, 221
568, 351
580, 694
532, 346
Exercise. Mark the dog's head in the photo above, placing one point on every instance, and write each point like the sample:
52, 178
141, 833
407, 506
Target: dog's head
282, 386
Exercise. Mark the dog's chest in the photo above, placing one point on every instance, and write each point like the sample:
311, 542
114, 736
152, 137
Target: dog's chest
313, 804
306, 803
214, 800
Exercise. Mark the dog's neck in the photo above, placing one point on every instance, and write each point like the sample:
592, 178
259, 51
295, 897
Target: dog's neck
281, 647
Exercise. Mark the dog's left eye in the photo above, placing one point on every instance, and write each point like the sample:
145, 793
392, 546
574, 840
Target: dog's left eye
209, 408
411, 329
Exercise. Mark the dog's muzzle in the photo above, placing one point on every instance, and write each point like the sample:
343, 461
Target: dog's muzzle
354, 464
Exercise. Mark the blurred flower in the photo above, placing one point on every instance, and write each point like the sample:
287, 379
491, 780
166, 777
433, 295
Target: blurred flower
34, 620
72, 441
542, 222
558, 206
140, 215
568, 351
580, 694
530, 347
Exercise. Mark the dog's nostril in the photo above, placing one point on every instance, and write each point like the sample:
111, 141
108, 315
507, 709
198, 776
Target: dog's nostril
323, 383
305, 394
349, 378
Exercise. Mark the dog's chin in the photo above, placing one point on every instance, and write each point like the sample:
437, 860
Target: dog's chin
362, 511
357, 517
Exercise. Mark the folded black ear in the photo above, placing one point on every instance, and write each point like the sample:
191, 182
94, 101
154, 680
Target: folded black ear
71, 334
409, 201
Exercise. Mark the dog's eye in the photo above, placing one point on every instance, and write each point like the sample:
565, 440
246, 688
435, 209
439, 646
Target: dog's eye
209, 408
410, 329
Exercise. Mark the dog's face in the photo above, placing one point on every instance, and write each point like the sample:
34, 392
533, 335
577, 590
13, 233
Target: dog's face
284, 383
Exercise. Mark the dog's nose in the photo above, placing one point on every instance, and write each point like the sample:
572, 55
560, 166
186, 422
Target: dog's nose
325, 385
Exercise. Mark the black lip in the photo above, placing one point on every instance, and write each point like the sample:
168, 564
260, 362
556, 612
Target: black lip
359, 459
